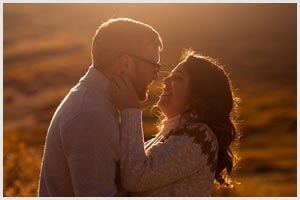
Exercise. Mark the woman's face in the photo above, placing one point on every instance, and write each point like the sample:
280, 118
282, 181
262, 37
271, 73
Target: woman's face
174, 99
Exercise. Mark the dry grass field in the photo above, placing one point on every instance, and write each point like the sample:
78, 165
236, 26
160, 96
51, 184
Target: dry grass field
47, 50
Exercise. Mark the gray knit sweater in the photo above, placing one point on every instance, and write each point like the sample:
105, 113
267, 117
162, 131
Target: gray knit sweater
180, 161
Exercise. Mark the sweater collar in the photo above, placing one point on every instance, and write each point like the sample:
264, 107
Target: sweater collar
174, 121
169, 124
97, 80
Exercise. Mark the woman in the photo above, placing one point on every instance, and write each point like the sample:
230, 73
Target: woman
194, 145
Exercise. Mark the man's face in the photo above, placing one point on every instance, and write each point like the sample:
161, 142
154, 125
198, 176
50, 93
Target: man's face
146, 64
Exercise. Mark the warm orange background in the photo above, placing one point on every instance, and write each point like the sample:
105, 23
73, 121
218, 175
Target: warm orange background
47, 50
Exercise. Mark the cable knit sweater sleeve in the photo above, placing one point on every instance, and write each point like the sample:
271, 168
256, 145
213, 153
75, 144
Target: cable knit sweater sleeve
180, 155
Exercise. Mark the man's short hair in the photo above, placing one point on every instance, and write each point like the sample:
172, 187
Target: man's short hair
120, 36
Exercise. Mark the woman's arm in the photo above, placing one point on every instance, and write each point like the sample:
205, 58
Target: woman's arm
178, 157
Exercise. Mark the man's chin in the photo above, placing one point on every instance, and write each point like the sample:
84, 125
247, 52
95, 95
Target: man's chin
143, 97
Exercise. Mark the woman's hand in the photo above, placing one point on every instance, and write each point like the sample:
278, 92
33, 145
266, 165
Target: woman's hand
123, 92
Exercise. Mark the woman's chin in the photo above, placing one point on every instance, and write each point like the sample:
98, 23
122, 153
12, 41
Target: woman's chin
162, 103
159, 104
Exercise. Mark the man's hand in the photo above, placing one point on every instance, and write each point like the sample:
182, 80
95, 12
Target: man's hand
123, 92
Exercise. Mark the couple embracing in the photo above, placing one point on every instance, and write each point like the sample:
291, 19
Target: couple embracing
95, 144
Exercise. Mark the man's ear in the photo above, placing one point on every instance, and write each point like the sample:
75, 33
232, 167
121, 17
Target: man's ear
124, 64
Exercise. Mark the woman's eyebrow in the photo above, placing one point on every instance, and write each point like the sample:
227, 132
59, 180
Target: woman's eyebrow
177, 72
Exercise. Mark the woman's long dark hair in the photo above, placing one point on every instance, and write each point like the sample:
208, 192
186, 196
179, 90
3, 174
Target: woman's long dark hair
213, 101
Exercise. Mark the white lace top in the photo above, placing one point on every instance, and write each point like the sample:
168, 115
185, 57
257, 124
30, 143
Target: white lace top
180, 161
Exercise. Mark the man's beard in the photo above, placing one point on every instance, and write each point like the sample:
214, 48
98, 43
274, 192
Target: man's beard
143, 95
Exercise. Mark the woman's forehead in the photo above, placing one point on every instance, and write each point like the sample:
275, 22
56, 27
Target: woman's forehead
179, 68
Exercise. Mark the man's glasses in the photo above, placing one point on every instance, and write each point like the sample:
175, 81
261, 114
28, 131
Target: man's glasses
156, 66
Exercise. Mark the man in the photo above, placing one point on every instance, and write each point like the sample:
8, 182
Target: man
82, 145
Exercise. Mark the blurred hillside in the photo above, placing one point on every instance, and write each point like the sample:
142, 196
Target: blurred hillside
47, 50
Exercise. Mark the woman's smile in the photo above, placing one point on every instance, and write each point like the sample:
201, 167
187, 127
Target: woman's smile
174, 97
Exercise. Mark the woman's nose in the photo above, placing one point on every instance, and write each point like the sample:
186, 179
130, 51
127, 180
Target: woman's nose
166, 80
